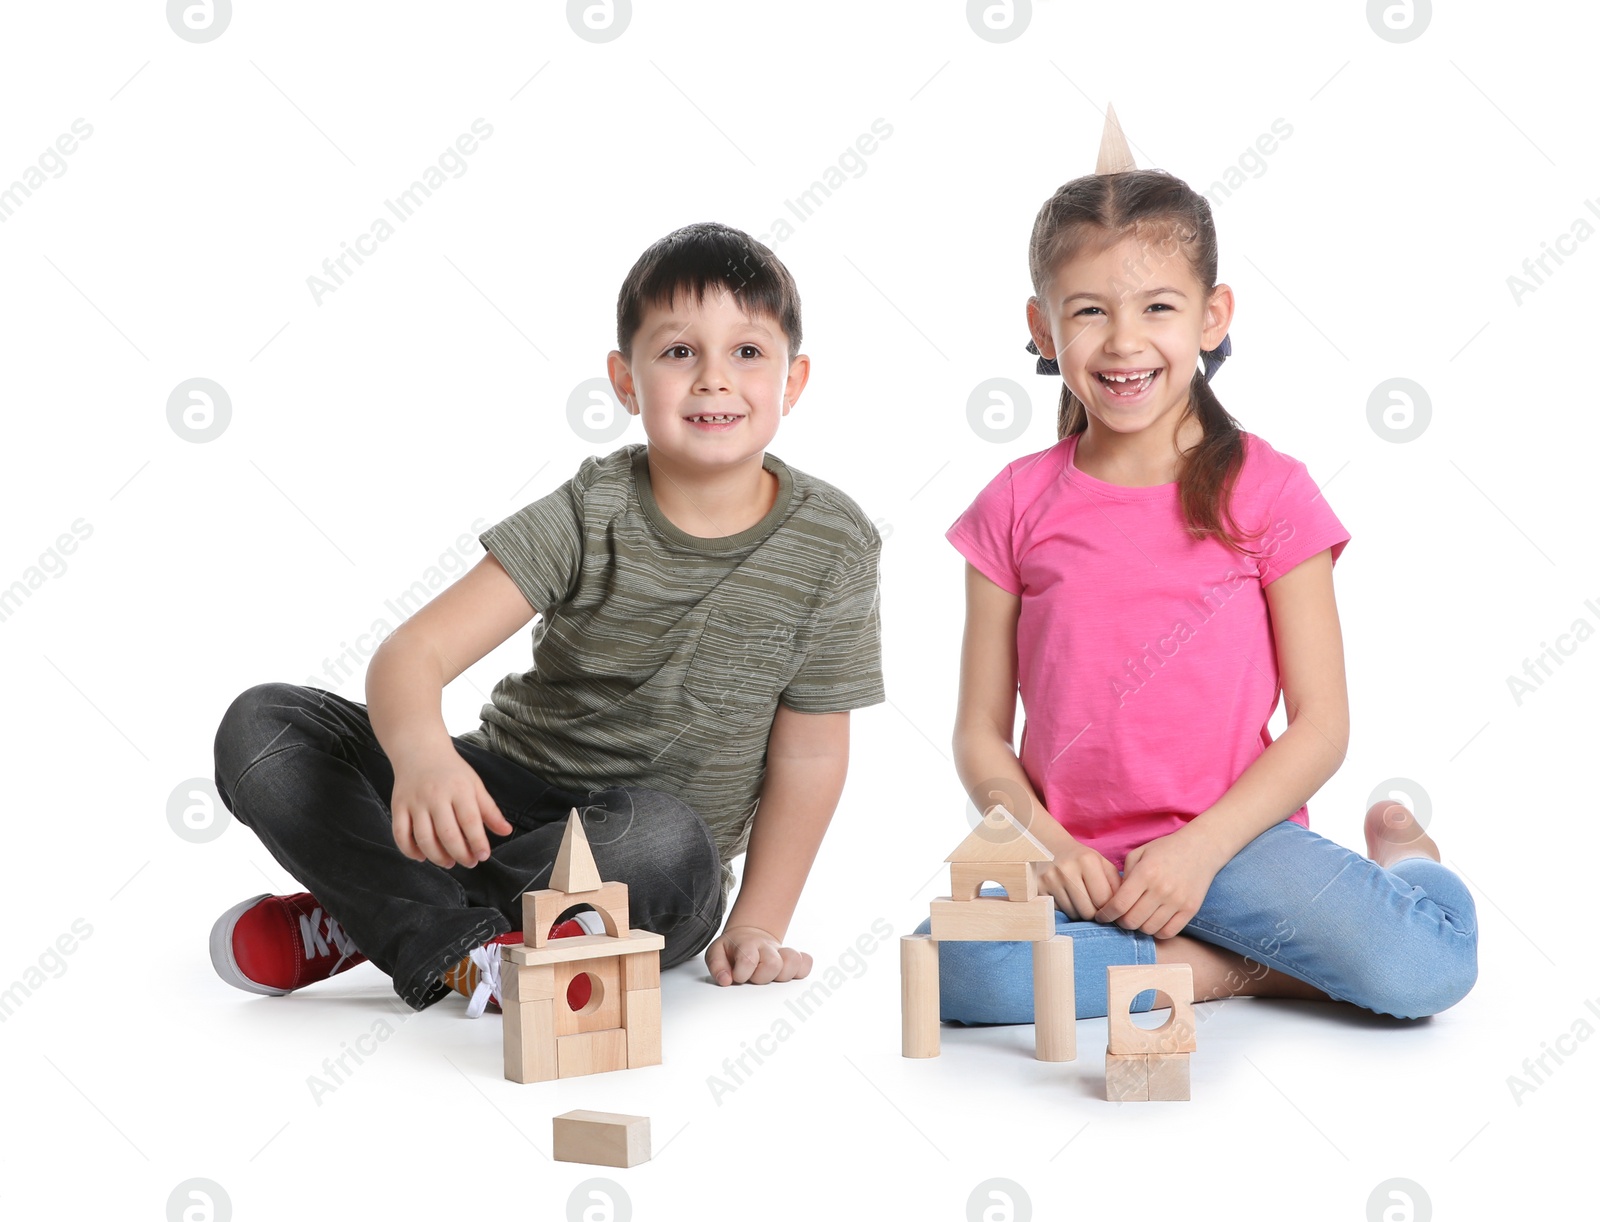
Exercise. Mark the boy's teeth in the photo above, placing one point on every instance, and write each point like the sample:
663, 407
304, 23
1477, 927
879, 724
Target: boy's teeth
714, 419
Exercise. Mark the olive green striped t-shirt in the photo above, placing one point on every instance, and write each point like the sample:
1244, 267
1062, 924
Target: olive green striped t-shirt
659, 658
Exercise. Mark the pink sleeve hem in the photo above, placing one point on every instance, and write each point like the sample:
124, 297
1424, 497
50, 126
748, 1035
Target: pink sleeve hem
981, 561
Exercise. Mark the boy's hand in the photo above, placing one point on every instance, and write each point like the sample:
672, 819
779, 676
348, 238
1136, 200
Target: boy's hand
440, 809
1080, 880
744, 954
1164, 882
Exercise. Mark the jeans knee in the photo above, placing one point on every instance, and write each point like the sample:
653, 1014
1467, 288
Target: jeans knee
1424, 989
248, 724
661, 828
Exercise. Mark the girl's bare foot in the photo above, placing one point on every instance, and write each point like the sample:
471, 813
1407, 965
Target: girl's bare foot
1393, 834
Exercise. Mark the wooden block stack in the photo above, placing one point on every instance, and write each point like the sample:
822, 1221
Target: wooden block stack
1145, 1063
1002, 851
620, 1026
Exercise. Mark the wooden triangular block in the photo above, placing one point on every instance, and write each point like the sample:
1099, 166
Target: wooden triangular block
1115, 155
575, 870
1000, 838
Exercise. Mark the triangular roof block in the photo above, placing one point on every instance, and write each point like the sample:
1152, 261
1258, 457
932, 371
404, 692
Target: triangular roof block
1000, 838
575, 870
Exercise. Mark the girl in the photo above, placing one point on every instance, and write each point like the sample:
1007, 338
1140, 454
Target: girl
1148, 583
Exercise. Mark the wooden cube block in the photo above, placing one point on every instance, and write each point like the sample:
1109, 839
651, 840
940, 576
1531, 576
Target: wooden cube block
1127, 1078
529, 1036
1126, 981
1055, 1001
591, 1052
1017, 877
641, 1015
1169, 1075
991, 919
604, 1008
541, 908
606, 1139
919, 996
641, 971
526, 983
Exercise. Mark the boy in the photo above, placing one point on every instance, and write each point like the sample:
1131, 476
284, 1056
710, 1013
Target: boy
709, 618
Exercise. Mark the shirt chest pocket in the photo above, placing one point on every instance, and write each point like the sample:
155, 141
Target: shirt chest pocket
740, 665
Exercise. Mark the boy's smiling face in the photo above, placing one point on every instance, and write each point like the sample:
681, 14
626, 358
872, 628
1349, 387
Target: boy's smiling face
709, 383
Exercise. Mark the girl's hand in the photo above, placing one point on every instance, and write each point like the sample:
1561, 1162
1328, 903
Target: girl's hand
1164, 882
440, 808
744, 954
1080, 880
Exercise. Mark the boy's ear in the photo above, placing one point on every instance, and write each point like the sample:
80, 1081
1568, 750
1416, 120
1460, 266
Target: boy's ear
1039, 328
622, 381
799, 375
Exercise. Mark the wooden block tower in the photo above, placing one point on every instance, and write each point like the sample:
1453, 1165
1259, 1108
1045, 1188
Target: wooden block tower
1002, 851
620, 1026
1148, 1063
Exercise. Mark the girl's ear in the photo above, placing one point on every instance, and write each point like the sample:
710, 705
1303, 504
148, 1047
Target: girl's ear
1219, 314
1039, 328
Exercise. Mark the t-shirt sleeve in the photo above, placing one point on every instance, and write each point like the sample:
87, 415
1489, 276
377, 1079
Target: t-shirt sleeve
983, 533
541, 545
1301, 524
843, 668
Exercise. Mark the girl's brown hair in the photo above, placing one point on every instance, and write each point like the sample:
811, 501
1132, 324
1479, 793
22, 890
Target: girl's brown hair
1098, 210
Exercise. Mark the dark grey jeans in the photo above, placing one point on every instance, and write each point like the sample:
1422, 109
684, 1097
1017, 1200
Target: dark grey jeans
302, 769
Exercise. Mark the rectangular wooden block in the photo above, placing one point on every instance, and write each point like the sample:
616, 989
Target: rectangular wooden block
590, 946
606, 1139
1124, 982
1055, 1001
991, 919
1169, 1075
529, 1034
591, 1052
1127, 1078
541, 908
526, 983
1017, 877
641, 1015
641, 971
919, 996
604, 1008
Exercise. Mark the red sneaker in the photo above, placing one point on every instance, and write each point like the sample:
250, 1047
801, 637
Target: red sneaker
274, 944
477, 977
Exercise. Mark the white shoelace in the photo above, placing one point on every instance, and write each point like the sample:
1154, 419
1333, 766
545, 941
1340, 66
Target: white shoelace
487, 960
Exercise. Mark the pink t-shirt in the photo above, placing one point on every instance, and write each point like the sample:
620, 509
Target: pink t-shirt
1145, 658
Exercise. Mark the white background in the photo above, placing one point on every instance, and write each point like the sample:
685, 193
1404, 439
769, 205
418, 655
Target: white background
369, 431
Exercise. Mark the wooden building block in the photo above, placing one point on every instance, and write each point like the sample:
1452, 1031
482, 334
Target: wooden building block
526, 983
999, 837
541, 908
641, 971
991, 919
529, 1034
1169, 1075
1055, 1001
1126, 981
641, 1016
589, 946
919, 996
1017, 877
604, 1008
1127, 1078
575, 869
591, 1052
606, 1139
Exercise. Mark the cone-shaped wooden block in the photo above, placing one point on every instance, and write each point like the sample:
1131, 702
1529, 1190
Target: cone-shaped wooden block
1115, 155
575, 869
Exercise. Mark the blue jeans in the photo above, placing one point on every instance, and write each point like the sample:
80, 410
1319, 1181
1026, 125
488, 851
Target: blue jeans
302, 769
1401, 941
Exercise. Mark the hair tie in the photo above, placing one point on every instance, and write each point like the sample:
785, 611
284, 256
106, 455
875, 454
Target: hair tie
1047, 365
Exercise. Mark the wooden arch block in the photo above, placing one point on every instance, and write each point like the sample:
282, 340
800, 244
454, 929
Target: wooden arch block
1126, 981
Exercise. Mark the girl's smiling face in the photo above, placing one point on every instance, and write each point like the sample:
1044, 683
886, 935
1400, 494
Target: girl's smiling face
1126, 325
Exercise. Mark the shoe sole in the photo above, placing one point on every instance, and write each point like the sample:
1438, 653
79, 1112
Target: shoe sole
222, 950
